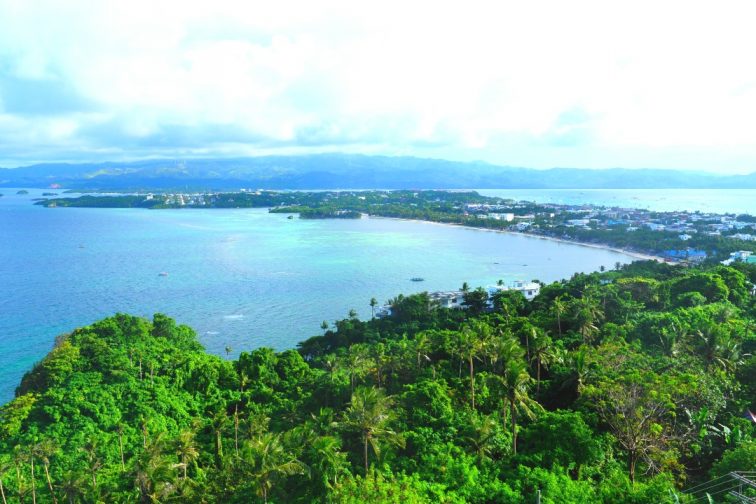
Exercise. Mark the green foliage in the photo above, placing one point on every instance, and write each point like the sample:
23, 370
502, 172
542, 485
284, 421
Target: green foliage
742, 458
621, 387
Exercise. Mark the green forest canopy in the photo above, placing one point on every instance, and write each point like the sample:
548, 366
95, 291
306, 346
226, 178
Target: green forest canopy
622, 387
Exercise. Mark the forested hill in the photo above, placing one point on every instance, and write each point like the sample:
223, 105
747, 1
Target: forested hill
623, 387
347, 171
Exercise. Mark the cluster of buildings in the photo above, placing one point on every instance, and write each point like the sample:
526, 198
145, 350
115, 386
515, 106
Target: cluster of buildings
557, 219
180, 199
744, 256
456, 299
683, 224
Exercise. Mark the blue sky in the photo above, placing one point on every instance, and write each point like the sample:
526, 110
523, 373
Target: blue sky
539, 84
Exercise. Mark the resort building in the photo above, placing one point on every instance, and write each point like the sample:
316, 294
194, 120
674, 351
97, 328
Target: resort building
745, 256
448, 299
528, 289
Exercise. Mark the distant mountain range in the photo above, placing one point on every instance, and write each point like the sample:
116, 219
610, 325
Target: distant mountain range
349, 171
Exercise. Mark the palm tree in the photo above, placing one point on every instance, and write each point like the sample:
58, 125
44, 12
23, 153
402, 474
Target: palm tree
256, 424
119, 431
353, 314
32, 454
544, 354
719, 347
324, 326
20, 457
154, 473
94, 463
218, 423
186, 449
503, 350
465, 287
373, 304
669, 340
370, 414
588, 314
473, 340
559, 307
516, 382
43, 451
423, 347
580, 370
329, 460
71, 484
356, 362
482, 432
266, 459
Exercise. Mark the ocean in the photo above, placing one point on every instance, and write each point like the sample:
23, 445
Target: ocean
663, 200
246, 278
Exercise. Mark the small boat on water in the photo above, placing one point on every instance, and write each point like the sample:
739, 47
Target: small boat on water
417, 279
163, 273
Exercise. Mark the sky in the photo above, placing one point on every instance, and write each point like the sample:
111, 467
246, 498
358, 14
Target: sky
536, 84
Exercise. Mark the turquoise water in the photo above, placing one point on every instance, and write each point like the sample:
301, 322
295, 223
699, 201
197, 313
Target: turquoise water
241, 278
664, 200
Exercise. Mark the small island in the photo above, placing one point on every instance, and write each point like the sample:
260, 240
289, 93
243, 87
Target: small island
22, 191
315, 213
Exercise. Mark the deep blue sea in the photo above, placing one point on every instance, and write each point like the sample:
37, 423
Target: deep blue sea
241, 278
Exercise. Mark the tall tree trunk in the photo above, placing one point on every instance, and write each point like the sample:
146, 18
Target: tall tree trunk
34, 486
218, 444
527, 347
120, 450
2, 492
236, 429
538, 374
472, 383
18, 480
559, 325
513, 414
631, 461
366, 454
49, 484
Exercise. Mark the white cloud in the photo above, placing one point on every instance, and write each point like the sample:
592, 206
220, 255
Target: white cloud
531, 83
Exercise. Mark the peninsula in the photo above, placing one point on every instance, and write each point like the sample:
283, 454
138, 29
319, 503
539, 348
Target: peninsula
689, 237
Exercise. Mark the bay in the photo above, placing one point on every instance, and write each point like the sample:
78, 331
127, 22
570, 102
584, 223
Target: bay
242, 278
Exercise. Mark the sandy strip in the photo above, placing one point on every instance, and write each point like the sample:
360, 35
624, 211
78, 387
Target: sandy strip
637, 255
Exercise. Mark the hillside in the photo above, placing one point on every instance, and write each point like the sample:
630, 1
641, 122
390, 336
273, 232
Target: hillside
623, 387
330, 171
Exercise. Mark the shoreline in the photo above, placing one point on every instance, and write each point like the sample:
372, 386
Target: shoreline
637, 255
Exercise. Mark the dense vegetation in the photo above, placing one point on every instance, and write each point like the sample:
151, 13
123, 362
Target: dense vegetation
622, 387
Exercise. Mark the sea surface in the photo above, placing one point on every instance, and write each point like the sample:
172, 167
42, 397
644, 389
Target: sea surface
663, 200
241, 278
